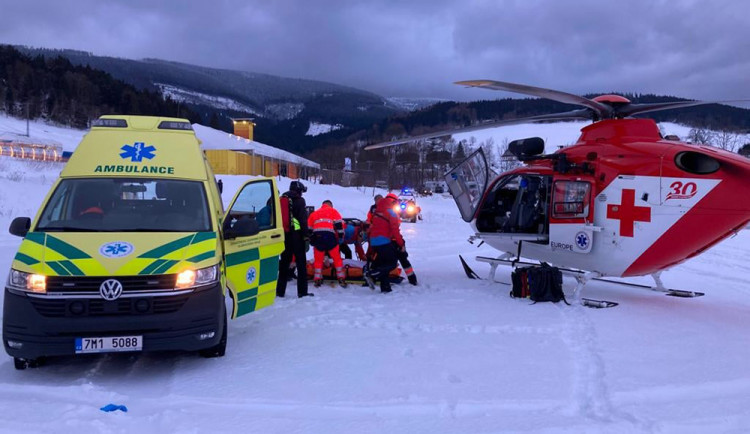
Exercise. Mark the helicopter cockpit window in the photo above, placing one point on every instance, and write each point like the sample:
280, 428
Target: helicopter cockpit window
571, 199
516, 204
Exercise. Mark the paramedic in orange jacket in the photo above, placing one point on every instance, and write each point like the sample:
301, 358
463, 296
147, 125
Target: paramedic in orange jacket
324, 222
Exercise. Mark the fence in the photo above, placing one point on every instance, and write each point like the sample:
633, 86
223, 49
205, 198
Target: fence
30, 151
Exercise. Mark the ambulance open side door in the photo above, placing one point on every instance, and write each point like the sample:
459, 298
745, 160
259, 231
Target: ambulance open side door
571, 220
253, 241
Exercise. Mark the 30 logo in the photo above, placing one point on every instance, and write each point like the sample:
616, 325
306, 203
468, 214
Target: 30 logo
682, 191
117, 249
110, 289
137, 152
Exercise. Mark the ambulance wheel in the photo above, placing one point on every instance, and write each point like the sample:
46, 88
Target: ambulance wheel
219, 349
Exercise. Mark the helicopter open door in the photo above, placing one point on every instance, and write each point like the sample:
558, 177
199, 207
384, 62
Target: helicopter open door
467, 183
572, 214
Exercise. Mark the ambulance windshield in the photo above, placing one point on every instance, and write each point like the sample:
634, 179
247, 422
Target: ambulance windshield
126, 205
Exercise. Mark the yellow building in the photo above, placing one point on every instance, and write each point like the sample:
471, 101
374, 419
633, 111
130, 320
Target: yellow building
239, 154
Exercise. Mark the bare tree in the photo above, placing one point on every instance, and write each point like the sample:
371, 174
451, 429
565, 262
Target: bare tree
727, 140
723, 139
699, 135
508, 161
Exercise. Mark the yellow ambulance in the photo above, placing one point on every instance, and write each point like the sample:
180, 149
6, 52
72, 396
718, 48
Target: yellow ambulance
132, 249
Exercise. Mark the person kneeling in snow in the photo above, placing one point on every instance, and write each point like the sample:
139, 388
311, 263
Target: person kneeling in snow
353, 233
324, 222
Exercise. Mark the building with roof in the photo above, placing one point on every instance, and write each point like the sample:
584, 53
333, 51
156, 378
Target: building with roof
239, 154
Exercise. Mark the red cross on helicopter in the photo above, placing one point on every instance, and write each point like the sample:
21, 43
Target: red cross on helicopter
628, 213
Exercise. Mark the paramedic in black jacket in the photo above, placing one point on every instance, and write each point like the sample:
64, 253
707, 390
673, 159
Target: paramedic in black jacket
294, 243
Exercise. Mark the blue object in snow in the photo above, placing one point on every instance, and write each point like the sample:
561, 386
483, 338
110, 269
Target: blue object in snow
114, 407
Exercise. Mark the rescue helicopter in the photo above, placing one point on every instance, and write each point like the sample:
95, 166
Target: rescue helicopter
622, 201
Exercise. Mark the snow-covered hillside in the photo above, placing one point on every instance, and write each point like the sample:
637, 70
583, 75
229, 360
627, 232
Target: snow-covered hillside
39, 132
555, 135
193, 97
317, 129
451, 355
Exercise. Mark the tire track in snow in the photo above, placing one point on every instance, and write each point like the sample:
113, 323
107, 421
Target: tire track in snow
374, 322
592, 397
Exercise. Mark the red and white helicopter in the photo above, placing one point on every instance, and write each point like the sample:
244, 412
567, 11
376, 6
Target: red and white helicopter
622, 201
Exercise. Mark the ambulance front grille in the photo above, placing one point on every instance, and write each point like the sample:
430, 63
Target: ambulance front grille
74, 308
90, 285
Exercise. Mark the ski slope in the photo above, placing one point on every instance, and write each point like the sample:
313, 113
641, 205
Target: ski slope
451, 355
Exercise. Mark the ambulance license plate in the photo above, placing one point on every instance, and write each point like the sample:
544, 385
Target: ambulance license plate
109, 344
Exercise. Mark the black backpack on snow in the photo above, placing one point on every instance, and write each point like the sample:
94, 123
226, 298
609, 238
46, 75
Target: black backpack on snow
545, 284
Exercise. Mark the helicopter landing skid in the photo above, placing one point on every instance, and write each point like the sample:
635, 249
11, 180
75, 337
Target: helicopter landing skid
583, 277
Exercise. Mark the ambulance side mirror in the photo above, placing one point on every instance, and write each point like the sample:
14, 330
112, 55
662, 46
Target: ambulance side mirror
20, 226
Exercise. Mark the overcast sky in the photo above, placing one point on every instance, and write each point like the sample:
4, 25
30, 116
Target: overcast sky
417, 48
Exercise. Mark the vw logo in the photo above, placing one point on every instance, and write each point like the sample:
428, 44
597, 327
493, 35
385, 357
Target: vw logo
110, 289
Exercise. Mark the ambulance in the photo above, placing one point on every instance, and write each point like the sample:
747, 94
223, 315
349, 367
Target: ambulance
132, 250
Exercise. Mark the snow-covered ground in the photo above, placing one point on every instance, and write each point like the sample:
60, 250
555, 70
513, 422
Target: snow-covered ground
39, 132
451, 355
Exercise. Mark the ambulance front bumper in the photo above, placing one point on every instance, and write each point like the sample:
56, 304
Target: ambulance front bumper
35, 327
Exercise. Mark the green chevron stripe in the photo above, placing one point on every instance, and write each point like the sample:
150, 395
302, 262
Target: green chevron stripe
168, 248
203, 236
57, 268
164, 267
203, 256
65, 249
36, 237
153, 266
26, 259
72, 269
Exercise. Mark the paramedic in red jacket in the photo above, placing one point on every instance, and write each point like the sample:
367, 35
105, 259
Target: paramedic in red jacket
324, 222
385, 241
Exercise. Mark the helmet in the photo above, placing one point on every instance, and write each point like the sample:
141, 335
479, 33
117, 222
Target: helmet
391, 196
297, 186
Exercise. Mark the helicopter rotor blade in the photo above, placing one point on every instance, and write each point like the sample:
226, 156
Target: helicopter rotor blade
580, 114
633, 109
603, 111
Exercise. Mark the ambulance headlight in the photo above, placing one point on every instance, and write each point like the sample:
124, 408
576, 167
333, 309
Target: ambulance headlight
397, 208
410, 209
27, 281
203, 276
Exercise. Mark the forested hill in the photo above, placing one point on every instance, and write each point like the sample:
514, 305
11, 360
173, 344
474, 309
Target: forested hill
53, 88
448, 115
283, 108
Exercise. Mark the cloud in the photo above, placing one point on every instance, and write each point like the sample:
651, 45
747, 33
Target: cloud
418, 48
